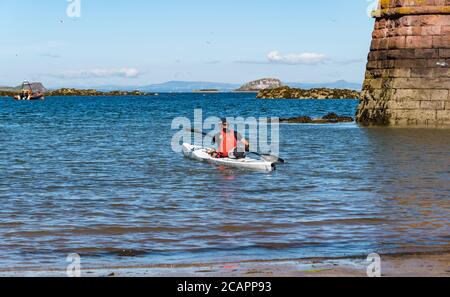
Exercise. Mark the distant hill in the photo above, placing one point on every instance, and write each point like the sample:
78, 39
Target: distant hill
340, 84
166, 87
36, 86
188, 86
7, 89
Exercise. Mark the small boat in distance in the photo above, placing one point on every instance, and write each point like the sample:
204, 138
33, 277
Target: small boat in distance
31, 91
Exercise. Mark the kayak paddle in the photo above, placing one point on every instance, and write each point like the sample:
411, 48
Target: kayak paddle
269, 158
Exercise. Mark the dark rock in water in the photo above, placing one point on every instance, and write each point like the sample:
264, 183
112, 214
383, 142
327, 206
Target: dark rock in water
335, 118
330, 118
300, 120
129, 253
206, 91
320, 93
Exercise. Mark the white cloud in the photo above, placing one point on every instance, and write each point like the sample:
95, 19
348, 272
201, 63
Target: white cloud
100, 73
296, 59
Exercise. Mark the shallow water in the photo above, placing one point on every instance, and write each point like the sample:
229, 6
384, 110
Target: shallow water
96, 176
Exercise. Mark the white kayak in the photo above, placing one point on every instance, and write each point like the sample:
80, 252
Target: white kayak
202, 154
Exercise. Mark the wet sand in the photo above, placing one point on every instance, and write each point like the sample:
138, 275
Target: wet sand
402, 265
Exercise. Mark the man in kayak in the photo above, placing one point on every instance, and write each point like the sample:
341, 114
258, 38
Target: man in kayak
228, 142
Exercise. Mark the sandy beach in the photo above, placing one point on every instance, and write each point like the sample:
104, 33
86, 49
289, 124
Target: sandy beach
401, 265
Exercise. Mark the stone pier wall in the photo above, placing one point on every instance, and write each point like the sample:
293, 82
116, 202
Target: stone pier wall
408, 71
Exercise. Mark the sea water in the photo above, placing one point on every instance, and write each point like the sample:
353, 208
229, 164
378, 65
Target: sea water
96, 176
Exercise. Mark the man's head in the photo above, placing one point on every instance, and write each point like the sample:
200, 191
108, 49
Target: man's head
224, 124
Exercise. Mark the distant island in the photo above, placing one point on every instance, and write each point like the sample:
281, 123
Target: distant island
207, 91
272, 88
92, 92
317, 93
264, 88
260, 84
11, 92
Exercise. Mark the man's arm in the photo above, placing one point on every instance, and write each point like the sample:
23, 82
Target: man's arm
215, 138
241, 138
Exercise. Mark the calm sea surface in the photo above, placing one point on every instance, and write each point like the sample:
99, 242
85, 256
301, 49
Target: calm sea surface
97, 176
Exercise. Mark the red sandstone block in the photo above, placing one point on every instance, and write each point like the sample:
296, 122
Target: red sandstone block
411, 63
432, 63
378, 55
436, 105
431, 30
433, 20
410, 94
403, 104
443, 115
375, 44
419, 41
381, 33
426, 53
409, 20
401, 54
421, 83
397, 42
384, 44
445, 30
441, 72
444, 53
439, 95
387, 64
442, 20
415, 115
441, 41
404, 31
422, 72
438, 2
372, 65
400, 72
447, 105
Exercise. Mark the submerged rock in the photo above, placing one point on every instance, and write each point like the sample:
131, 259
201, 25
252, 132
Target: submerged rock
298, 120
330, 118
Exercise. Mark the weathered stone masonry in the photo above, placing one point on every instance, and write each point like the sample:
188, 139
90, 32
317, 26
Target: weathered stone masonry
408, 71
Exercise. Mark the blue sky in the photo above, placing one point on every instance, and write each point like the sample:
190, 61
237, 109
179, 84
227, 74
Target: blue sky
139, 42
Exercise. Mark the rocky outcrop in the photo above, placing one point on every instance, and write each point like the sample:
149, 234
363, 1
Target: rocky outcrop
260, 84
7, 93
11, 92
330, 118
407, 79
320, 93
92, 92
